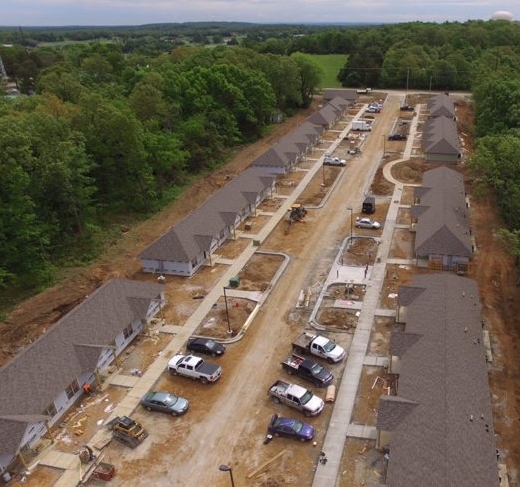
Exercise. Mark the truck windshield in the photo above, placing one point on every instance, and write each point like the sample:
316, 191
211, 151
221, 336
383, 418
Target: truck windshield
316, 369
306, 397
329, 346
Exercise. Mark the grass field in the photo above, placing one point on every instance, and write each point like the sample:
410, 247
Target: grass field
330, 65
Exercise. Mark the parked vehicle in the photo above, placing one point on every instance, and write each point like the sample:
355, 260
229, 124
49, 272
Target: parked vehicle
374, 107
367, 223
207, 346
397, 137
363, 91
165, 402
320, 346
308, 369
334, 161
369, 205
296, 397
361, 125
407, 108
194, 368
290, 428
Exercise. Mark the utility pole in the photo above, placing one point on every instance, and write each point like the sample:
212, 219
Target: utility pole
3, 73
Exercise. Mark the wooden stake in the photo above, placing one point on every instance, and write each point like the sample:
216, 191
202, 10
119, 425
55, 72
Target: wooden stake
261, 467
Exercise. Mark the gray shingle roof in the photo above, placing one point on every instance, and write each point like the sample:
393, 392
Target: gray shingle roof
441, 105
293, 146
33, 379
340, 103
326, 116
440, 136
392, 411
195, 232
346, 94
401, 342
276, 156
443, 225
435, 443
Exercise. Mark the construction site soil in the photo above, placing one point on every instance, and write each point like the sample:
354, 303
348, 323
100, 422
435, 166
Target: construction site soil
169, 456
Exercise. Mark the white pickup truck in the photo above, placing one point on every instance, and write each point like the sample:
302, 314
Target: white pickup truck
320, 346
194, 368
297, 397
334, 161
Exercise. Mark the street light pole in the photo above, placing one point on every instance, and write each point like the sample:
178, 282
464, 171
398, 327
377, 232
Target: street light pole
229, 330
350, 209
227, 468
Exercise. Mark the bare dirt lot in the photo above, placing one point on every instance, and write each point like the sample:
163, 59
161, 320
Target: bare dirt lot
191, 447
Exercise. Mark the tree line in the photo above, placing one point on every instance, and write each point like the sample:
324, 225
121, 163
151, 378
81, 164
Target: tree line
108, 136
495, 163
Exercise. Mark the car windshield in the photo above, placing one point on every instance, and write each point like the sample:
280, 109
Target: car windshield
211, 344
329, 346
306, 397
298, 426
170, 399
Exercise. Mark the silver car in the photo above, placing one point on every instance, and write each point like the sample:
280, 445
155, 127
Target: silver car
165, 403
367, 223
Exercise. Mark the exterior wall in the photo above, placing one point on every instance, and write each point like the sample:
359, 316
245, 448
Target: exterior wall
400, 316
33, 433
383, 439
123, 341
394, 365
5, 461
171, 267
442, 158
447, 262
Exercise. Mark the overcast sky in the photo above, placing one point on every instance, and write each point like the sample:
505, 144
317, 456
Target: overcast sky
138, 12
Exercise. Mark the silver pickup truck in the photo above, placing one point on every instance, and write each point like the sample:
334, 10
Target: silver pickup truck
296, 397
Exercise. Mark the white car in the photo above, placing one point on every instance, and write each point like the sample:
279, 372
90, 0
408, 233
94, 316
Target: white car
367, 223
334, 161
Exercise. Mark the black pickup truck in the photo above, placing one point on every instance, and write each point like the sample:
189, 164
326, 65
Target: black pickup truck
308, 369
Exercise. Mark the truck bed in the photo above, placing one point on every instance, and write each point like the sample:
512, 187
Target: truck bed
303, 340
279, 388
293, 361
208, 368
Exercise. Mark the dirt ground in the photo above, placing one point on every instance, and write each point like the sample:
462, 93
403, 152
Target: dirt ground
311, 247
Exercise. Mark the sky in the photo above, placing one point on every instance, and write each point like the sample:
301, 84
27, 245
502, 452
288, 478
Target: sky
139, 12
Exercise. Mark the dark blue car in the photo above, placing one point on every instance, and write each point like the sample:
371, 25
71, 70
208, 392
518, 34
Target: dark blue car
291, 428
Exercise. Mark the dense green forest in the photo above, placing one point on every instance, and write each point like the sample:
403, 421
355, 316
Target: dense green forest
120, 119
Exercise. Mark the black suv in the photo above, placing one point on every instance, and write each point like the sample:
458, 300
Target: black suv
407, 108
397, 137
